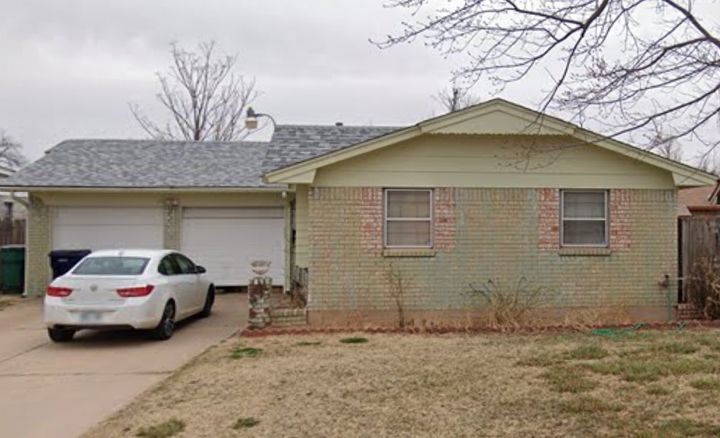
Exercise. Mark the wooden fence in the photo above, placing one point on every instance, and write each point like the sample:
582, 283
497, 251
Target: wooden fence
699, 240
12, 231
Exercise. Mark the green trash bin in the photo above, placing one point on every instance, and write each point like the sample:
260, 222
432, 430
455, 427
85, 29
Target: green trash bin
12, 262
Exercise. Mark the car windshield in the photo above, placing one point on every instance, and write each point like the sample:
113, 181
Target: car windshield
111, 266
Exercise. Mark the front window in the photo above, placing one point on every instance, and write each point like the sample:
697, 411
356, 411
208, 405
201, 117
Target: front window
408, 218
111, 266
584, 218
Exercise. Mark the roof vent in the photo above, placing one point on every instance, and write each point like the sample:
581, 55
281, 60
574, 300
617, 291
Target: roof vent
338, 123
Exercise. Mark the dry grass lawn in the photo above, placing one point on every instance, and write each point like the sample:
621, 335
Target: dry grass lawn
644, 383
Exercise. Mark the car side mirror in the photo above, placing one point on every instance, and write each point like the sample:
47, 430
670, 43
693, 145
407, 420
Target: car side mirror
200, 270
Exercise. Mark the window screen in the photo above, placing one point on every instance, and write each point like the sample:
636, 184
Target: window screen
408, 218
584, 218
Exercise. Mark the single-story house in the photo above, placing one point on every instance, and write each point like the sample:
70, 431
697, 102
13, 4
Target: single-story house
381, 217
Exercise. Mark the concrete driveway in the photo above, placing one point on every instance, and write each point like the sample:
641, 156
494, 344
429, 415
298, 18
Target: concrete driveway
61, 390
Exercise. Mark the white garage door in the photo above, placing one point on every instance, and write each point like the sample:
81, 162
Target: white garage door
107, 228
226, 240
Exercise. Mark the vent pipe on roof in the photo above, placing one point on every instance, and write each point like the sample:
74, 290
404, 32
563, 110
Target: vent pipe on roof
338, 123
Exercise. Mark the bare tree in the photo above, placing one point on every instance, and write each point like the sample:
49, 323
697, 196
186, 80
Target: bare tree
206, 99
665, 145
626, 63
709, 163
455, 98
11, 155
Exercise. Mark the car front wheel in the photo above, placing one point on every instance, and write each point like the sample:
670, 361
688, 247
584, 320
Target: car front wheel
60, 335
165, 329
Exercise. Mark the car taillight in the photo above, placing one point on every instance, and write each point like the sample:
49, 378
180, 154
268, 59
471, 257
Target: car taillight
138, 291
55, 291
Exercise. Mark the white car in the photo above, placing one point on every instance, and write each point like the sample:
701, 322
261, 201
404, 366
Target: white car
138, 289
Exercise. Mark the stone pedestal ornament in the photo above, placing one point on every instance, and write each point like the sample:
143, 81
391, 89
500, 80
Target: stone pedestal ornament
259, 289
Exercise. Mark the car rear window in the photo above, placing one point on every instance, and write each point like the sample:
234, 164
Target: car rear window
111, 266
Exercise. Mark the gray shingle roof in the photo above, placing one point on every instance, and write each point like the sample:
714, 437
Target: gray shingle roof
145, 164
184, 164
295, 143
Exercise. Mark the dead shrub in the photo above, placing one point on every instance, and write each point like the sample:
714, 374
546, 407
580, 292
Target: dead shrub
509, 306
397, 285
703, 286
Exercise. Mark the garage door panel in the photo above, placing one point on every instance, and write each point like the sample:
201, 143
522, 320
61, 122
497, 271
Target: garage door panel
107, 216
107, 228
225, 242
233, 213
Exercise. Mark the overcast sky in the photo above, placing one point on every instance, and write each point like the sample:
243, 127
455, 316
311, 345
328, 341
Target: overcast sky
69, 68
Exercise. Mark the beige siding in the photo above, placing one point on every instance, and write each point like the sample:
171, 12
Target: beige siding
494, 161
138, 199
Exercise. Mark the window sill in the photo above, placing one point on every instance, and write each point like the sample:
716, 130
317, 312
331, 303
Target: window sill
585, 251
409, 252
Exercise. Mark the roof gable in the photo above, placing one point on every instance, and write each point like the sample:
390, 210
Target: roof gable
495, 117
496, 120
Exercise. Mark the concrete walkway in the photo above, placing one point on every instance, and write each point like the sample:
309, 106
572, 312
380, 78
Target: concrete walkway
61, 390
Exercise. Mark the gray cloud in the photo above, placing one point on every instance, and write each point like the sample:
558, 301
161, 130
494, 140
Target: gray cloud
70, 67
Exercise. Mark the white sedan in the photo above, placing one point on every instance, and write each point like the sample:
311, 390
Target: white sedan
138, 289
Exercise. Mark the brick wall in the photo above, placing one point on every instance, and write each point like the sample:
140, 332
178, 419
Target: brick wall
482, 234
37, 266
172, 217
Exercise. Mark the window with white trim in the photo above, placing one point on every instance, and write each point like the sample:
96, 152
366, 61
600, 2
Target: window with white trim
584, 218
408, 218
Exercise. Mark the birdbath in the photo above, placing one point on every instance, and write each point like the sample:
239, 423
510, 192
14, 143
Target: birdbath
259, 294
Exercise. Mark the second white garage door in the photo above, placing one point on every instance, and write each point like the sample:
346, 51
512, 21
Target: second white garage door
107, 228
226, 240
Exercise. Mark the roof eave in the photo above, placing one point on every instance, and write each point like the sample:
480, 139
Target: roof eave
143, 189
683, 175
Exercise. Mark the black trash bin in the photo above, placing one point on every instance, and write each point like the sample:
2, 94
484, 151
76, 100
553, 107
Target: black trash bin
62, 260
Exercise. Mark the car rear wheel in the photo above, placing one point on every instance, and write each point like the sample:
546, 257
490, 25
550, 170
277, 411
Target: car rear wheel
60, 335
209, 301
165, 329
